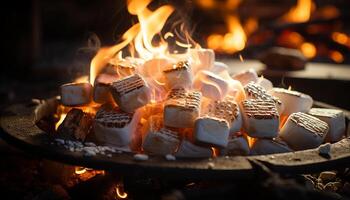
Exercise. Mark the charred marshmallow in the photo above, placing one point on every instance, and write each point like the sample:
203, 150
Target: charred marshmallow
161, 142
237, 146
211, 85
189, 150
269, 146
181, 108
101, 88
76, 94
260, 118
130, 93
246, 77
255, 91
335, 120
178, 76
303, 131
293, 101
115, 127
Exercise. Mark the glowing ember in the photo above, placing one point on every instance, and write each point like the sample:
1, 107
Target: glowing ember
336, 56
119, 190
80, 170
308, 49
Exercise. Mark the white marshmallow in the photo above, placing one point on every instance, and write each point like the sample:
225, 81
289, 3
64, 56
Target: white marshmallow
76, 94
219, 67
269, 146
178, 76
303, 131
161, 142
130, 93
101, 88
182, 108
293, 101
255, 91
189, 150
246, 77
236, 90
237, 146
265, 83
115, 127
260, 118
202, 59
121, 67
335, 120
212, 131
211, 85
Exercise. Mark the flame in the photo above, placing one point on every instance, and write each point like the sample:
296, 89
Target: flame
251, 141
241, 58
308, 49
290, 88
336, 56
82, 79
215, 152
341, 38
62, 117
236, 38
80, 170
300, 13
119, 190
139, 36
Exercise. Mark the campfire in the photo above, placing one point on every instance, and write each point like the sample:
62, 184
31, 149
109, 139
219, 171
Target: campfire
143, 98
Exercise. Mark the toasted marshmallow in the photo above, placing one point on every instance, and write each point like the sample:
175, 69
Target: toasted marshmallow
265, 83
121, 67
269, 146
260, 118
236, 90
130, 93
246, 77
219, 67
335, 120
212, 131
115, 127
293, 101
179, 76
303, 131
161, 142
202, 59
189, 150
237, 146
255, 91
181, 108
211, 85
76, 94
101, 88
226, 109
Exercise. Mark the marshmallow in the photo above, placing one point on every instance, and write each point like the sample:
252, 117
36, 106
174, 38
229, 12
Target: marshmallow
189, 150
115, 127
161, 142
226, 109
335, 120
303, 131
212, 131
219, 67
236, 90
181, 108
293, 101
76, 94
178, 76
101, 88
246, 77
237, 146
121, 67
202, 59
269, 146
255, 91
265, 83
260, 118
130, 93
211, 85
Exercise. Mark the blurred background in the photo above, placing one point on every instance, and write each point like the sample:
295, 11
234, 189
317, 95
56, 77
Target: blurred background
47, 43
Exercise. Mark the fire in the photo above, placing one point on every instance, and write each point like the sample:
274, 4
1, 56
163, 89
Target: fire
80, 170
341, 38
336, 56
62, 117
308, 49
300, 13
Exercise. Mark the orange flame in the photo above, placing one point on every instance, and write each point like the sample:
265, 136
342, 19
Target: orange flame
62, 117
308, 49
140, 36
234, 40
80, 170
300, 13
119, 190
